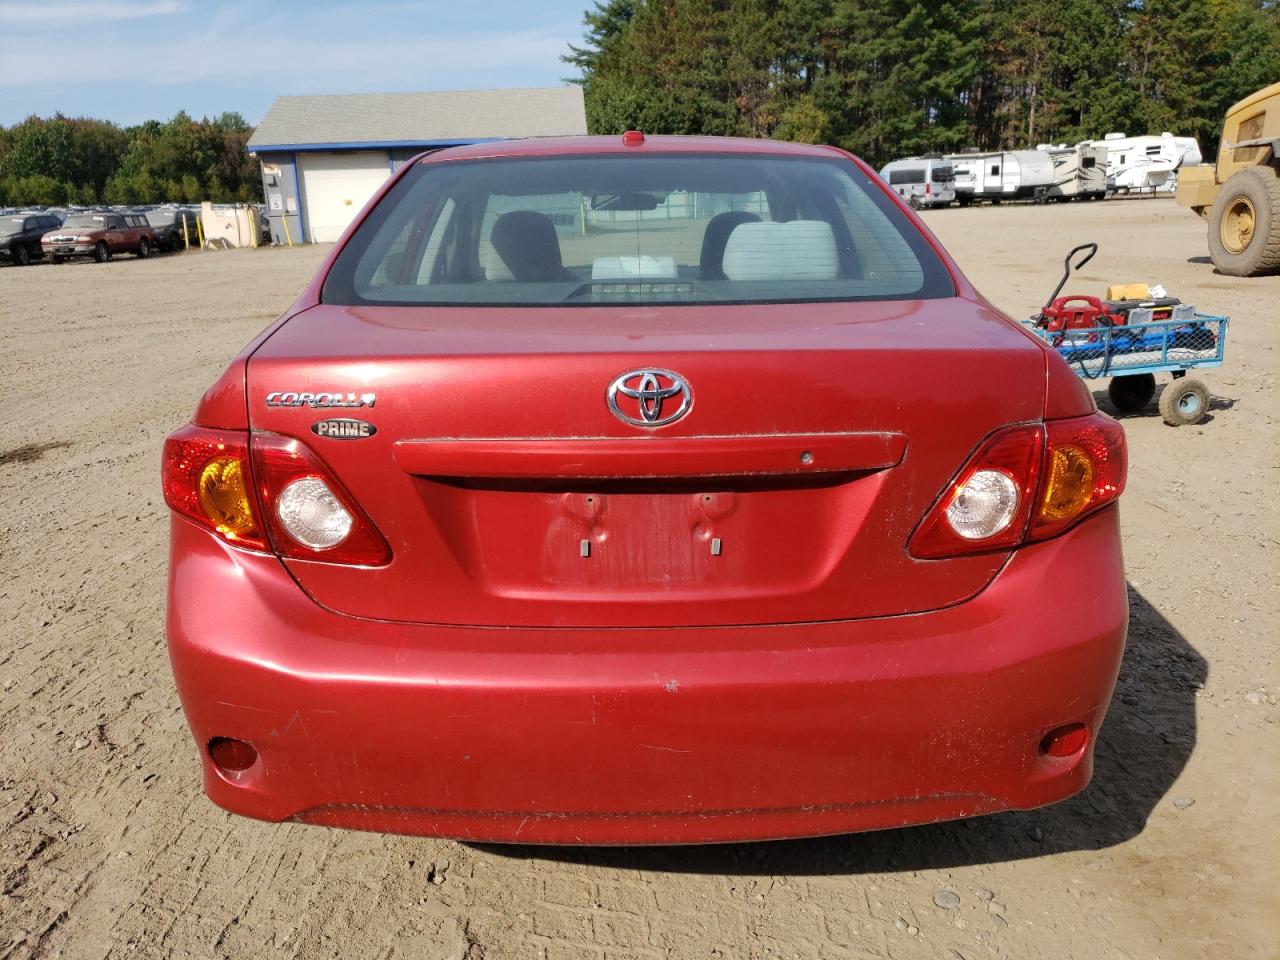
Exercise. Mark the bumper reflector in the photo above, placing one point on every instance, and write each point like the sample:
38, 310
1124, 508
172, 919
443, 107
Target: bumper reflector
1065, 741
231, 755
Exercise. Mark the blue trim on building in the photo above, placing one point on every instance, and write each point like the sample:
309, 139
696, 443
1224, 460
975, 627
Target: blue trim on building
367, 145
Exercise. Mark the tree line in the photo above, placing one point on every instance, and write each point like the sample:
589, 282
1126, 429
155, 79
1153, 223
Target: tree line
65, 160
890, 78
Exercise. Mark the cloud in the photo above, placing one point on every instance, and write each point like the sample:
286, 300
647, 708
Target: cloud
86, 13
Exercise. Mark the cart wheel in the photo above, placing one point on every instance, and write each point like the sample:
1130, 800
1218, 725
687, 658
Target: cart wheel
1184, 402
1132, 393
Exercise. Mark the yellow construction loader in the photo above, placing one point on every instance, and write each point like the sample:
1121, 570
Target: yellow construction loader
1240, 195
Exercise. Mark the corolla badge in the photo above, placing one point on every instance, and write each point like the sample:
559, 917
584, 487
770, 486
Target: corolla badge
650, 397
322, 400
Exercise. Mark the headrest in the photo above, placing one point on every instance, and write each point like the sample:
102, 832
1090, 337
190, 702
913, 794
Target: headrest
715, 236
527, 243
795, 250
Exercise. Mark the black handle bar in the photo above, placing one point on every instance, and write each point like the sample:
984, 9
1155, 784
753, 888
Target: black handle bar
1068, 267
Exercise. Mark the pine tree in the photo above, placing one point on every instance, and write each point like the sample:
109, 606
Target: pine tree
888, 78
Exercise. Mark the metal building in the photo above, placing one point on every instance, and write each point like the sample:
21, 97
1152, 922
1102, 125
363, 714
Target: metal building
323, 156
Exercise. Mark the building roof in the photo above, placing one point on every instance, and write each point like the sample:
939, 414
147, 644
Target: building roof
443, 118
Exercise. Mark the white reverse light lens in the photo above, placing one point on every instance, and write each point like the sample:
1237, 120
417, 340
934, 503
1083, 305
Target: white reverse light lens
984, 505
312, 515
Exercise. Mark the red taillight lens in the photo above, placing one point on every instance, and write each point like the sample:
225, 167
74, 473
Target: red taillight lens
205, 475
308, 514
987, 505
1027, 482
1086, 465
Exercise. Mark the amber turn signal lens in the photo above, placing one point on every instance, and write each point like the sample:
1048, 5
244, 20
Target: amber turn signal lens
1068, 487
224, 496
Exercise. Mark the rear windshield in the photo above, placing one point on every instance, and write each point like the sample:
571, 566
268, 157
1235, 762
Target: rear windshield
625, 229
85, 220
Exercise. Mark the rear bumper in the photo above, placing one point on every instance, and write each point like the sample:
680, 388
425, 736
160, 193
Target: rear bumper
645, 736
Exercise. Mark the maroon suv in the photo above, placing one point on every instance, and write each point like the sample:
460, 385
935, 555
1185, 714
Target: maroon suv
99, 235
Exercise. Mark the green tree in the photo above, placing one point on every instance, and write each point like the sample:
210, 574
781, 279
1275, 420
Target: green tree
1174, 58
803, 122
606, 27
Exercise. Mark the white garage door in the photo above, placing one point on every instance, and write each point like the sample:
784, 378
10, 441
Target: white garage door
335, 186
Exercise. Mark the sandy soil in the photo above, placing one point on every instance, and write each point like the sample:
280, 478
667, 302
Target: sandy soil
108, 848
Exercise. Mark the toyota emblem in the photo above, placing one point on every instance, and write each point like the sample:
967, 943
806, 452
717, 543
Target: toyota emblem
650, 397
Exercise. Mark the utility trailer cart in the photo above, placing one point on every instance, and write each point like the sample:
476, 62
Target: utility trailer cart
1132, 349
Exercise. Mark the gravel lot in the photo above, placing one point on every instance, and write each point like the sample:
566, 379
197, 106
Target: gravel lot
108, 848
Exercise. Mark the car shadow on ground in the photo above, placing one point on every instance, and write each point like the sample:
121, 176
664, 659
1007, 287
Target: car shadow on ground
1146, 741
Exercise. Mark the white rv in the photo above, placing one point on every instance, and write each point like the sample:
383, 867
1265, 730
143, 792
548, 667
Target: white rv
921, 181
1079, 172
1007, 175
1147, 163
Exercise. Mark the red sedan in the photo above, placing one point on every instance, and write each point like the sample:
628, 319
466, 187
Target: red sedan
643, 490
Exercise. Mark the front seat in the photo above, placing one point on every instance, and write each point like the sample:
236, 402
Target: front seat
527, 243
714, 238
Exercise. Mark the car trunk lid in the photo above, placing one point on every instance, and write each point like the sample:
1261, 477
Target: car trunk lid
817, 437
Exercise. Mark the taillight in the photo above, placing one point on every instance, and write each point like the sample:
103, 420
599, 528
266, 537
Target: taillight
205, 475
987, 505
1086, 464
308, 514
268, 493
1024, 483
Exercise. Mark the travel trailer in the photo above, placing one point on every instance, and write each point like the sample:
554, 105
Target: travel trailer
1147, 163
922, 181
1007, 175
1079, 172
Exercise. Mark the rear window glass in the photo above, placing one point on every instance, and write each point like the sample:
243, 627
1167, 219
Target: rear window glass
95, 220
626, 229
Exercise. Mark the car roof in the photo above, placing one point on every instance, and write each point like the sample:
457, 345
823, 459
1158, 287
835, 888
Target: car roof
566, 146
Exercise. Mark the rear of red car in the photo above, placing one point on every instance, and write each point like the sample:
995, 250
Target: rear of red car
673, 491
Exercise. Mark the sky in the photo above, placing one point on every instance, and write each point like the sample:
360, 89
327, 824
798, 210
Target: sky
135, 60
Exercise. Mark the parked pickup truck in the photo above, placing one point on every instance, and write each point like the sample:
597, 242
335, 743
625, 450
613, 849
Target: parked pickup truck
99, 235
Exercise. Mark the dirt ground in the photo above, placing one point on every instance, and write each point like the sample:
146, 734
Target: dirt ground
109, 849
